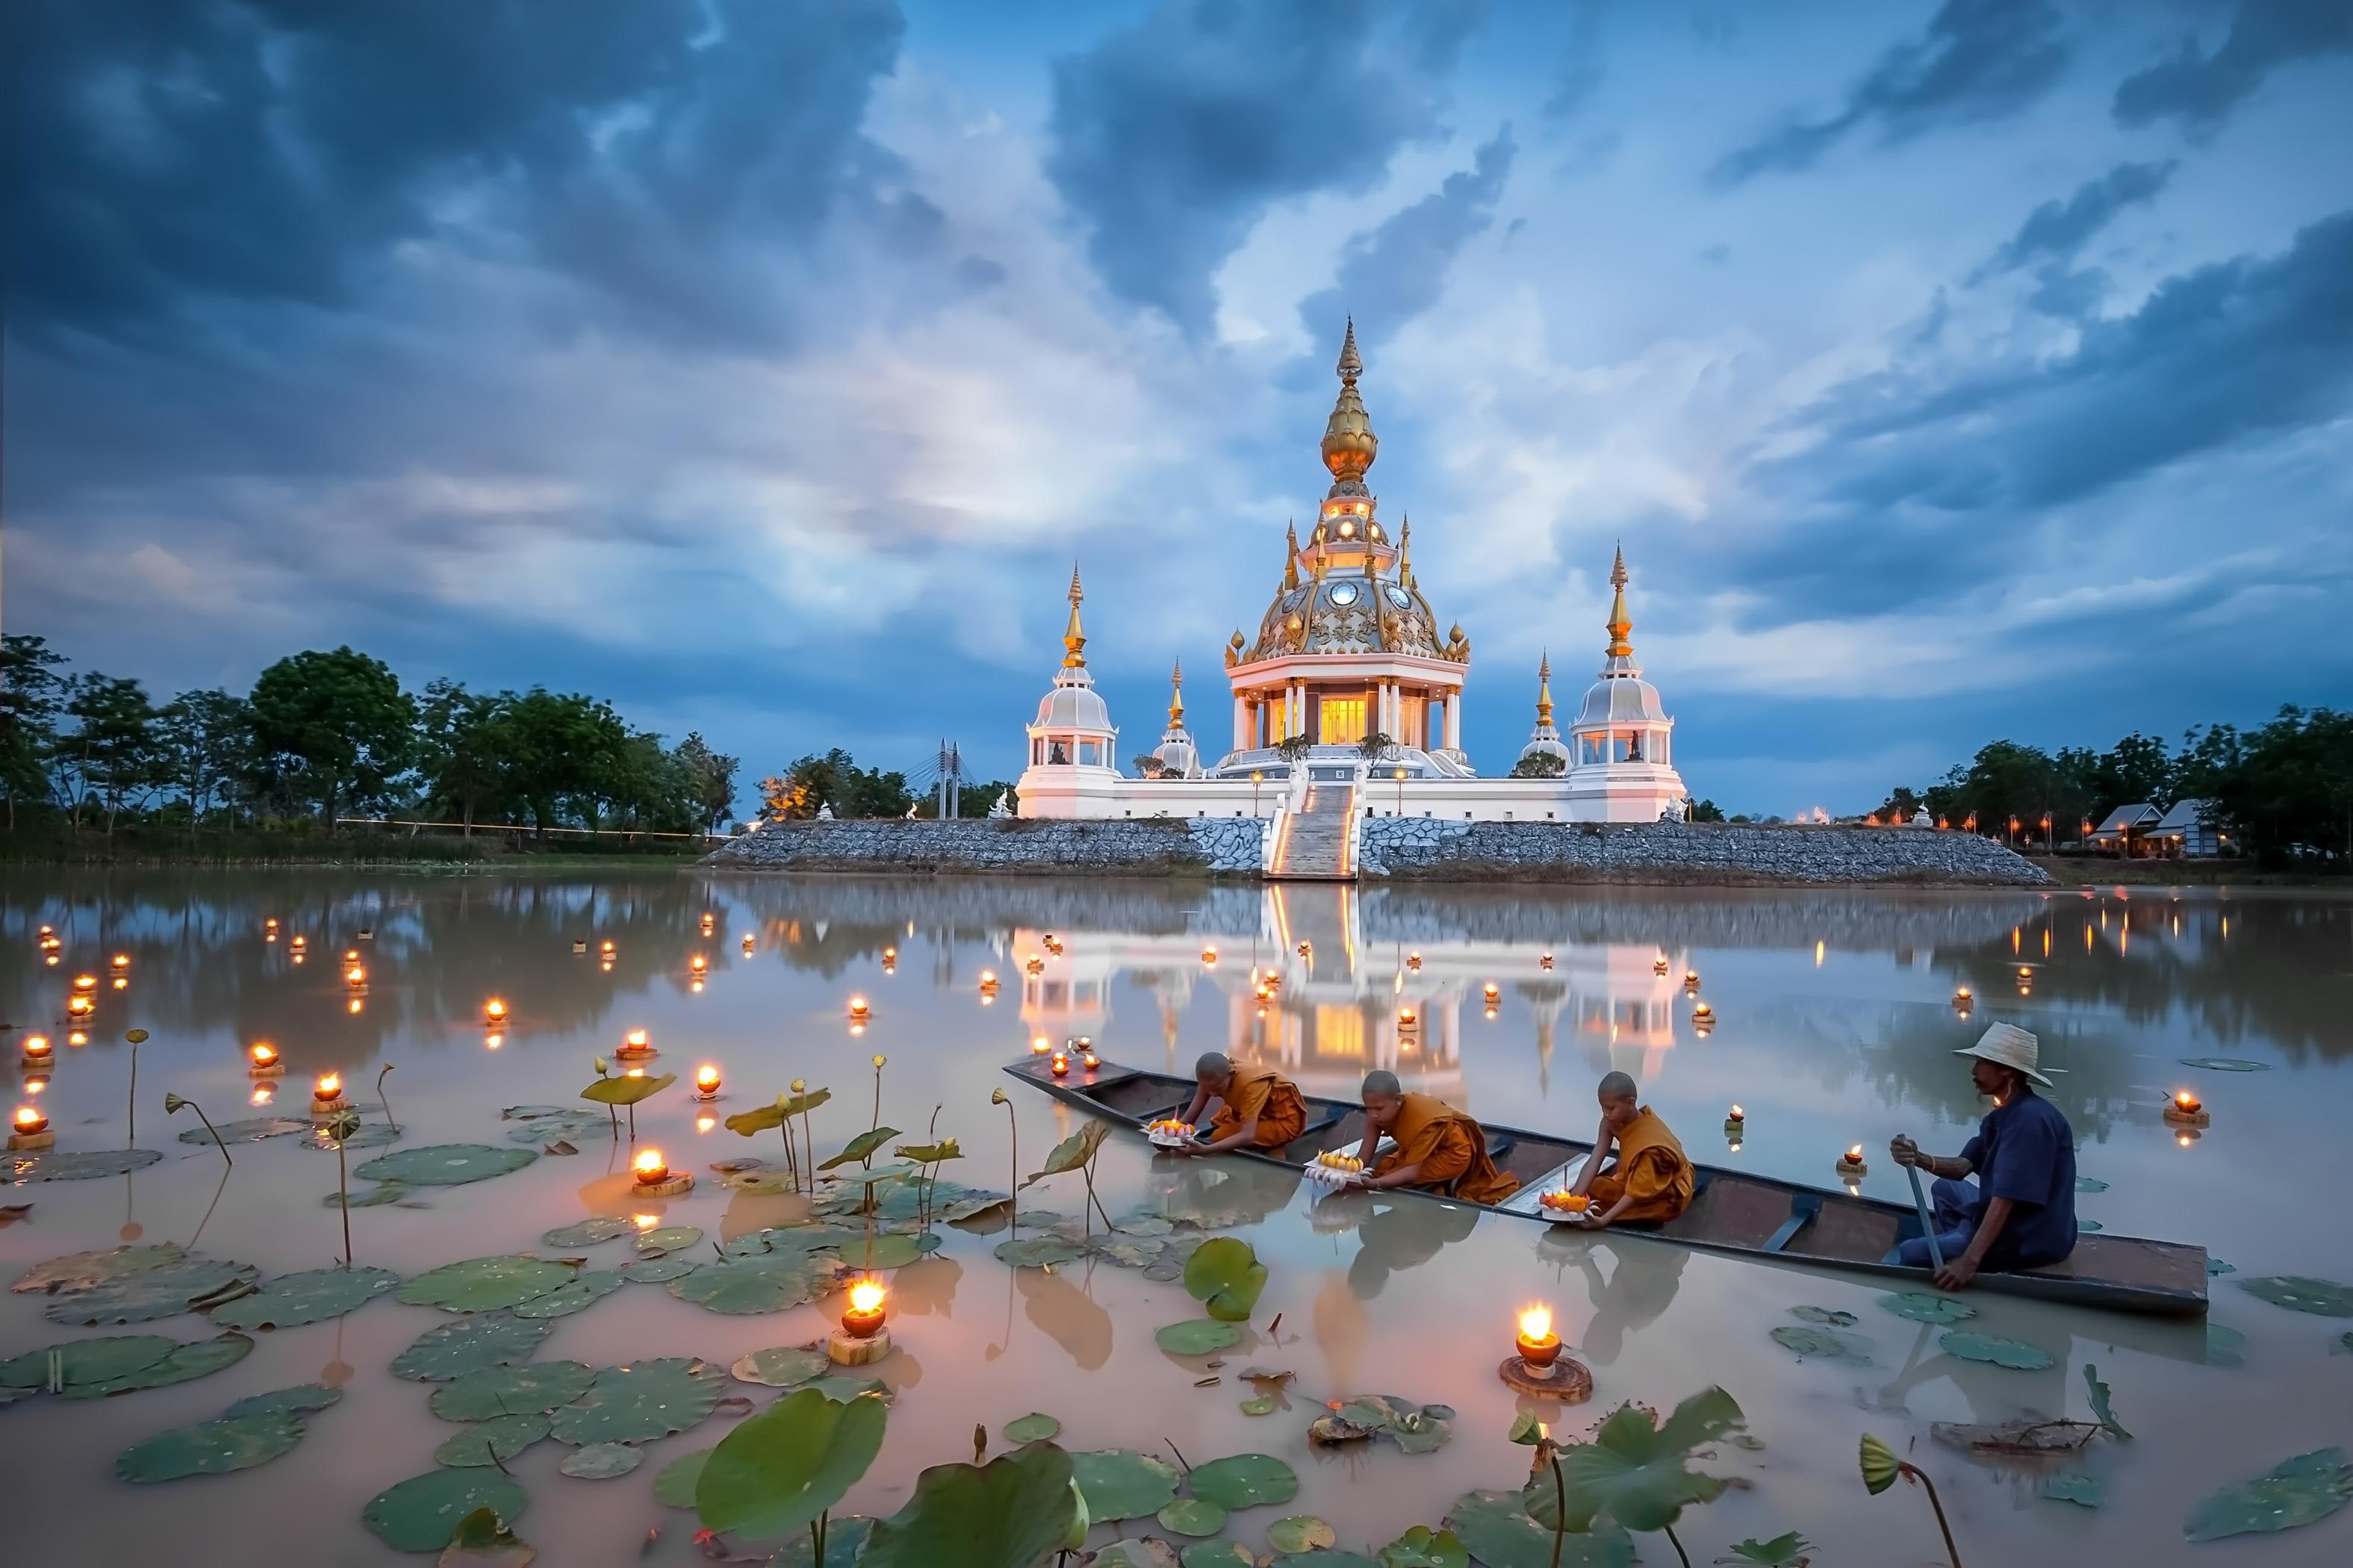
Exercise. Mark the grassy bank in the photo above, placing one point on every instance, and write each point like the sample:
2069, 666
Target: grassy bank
2106, 872
57, 845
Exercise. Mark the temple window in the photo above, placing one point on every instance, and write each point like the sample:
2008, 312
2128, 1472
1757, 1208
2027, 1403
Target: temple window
1058, 753
1343, 721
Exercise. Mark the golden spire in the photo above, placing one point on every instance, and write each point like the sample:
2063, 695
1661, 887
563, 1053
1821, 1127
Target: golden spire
1544, 689
1177, 696
1619, 623
1405, 551
1350, 444
1290, 555
1074, 639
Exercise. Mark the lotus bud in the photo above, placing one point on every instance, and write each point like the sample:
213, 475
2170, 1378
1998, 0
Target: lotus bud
173, 1102
136, 1036
343, 1126
1526, 1430
1880, 1465
995, 1097
1079, 1522
603, 1067
879, 1060
799, 1084
979, 1443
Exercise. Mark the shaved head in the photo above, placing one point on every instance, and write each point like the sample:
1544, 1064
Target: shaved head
1616, 1086
1212, 1067
1382, 1085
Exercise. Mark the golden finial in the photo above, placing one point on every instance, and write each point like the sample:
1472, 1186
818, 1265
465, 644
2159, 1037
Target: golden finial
1619, 623
1350, 444
1074, 639
1405, 550
1543, 689
1290, 555
1177, 696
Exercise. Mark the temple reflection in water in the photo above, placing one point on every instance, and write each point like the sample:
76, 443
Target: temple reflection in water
1308, 990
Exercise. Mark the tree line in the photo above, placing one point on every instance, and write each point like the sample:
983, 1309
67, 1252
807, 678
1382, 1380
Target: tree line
2283, 791
324, 735
835, 781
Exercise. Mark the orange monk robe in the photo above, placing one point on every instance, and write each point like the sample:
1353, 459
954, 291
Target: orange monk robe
1267, 1095
1651, 1168
1451, 1149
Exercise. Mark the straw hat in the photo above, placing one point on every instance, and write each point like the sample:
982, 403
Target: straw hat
2007, 1045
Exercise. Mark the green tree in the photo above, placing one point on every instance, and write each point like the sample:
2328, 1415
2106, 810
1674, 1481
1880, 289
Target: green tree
1706, 811
116, 751
31, 696
1539, 765
2290, 797
207, 739
1901, 802
836, 779
336, 726
461, 743
711, 776
563, 757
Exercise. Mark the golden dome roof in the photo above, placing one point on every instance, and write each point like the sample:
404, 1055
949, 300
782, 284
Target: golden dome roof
1350, 444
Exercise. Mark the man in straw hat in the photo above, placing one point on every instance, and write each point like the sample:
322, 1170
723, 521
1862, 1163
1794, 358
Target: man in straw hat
2026, 1152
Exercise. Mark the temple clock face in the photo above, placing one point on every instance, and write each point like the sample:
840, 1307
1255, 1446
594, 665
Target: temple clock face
1343, 593
1398, 598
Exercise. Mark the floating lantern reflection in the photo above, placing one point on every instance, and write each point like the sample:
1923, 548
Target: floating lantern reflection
747, 944
1208, 955
1035, 965
1544, 961
263, 1094
1039, 1044
1413, 960
76, 1037
704, 1123
494, 1012
30, 1129
706, 1082
122, 982
1851, 1162
494, 1040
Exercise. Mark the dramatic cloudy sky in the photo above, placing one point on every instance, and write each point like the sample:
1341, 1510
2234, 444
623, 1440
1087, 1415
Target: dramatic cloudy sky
1950, 371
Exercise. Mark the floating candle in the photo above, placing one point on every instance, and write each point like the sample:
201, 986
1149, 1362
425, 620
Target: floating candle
706, 1081
864, 1315
1538, 1346
494, 1011
858, 1008
650, 1170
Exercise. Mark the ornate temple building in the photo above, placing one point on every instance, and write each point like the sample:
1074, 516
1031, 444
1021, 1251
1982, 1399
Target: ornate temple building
1348, 698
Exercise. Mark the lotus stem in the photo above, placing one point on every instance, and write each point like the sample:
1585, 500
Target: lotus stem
1560, 1511
381, 1099
217, 1191
134, 1139
1937, 1503
878, 1109
1013, 1177
808, 1141
344, 1201
1676, 1544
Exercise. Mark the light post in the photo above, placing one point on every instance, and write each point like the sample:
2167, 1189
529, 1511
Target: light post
2046, 833
1400, 776
1257, 778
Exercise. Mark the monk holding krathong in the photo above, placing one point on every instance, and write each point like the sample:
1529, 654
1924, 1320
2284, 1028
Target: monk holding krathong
1652, 1181
1439, 1150
1258, 1108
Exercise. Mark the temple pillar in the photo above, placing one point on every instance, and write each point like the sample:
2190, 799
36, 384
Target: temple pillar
1242, 740
1454, 719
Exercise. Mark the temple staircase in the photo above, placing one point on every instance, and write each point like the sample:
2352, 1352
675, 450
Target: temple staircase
1317, 842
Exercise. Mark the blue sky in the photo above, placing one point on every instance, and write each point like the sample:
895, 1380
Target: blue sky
1949, 371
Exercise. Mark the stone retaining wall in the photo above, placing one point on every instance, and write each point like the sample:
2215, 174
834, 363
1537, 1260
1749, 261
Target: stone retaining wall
1715, 853
1019, 847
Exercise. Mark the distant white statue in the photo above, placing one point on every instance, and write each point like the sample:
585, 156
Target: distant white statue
911, 811
1000, 809
1921, 819
1672, 813
824, 811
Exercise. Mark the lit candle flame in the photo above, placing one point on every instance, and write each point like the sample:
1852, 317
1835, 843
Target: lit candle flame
121, 961
1039, 1044
649, 1163
698, 963
37, 1045
1854, 1155
635, 1039
494, 1009
1536, 1324
356, 974
330, 1086
28, 1118
866, 1296
1738, 1114
264, 1054
858, 1006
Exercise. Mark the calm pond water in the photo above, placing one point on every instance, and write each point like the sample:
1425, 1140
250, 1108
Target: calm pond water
1835, 1027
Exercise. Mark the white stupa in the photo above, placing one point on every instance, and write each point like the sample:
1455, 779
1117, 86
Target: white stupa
1545, 741
1072, 740
1176, 752
1621, 742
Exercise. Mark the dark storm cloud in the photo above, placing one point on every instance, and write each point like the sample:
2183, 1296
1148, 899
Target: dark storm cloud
1170, 137
1980, 59
2238, 350
1396, 270
2201, 90
2057, 230
265, 150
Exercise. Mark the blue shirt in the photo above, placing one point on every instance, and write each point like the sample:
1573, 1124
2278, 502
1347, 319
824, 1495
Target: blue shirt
2025, 1151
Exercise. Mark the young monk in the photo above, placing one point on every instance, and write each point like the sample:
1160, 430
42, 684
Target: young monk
1258, 1108
1439, 1150
1651, 1179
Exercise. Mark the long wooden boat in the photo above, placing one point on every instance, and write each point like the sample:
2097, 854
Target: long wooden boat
1737, 1212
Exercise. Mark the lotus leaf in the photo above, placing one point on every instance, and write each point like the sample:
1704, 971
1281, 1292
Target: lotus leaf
2082, 1489
845, 1537
1922, 1308
1038, 1251
2225, 1064
1193, 1516
1216, 1554
852, 1184
367, 1135
534, 1388
183, 1285
1300, 1533
1034, 1428
73, 1164
1633, 1470
373, 1198
2099, 1394
193, 1360
1420, 1547
668, 1238
640, 1401
1137, 1554
568, 1123
81, 1271
422, 1514
932, 1154
484, 1541
2215, 1266
453, 1350
1245, 1480
974, 1206
2016, 1354
1324, 1559
887, 1251
1782, 1552
588, 1232
1497, 1532
1264, 1404
490, 1442
1120, 1483
2299, 1293
300, 1399
740, 1287
601, 1461
589, 1287
252, 1130
2294, 1492
210, 1447
674, 1483
1224, 1275
445, 1164
1198, 1336
2089, 1227
313, 1295
2090, 1184
86, 1361
1012, 1512
2343, 1345
1071, 1152
486, 1284
860, 1147
778, 1471
2225, 1346
780, 1366
627, 1089
657, 1270
1826, 1315
1827, 1344
791, 1239
841, 1387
